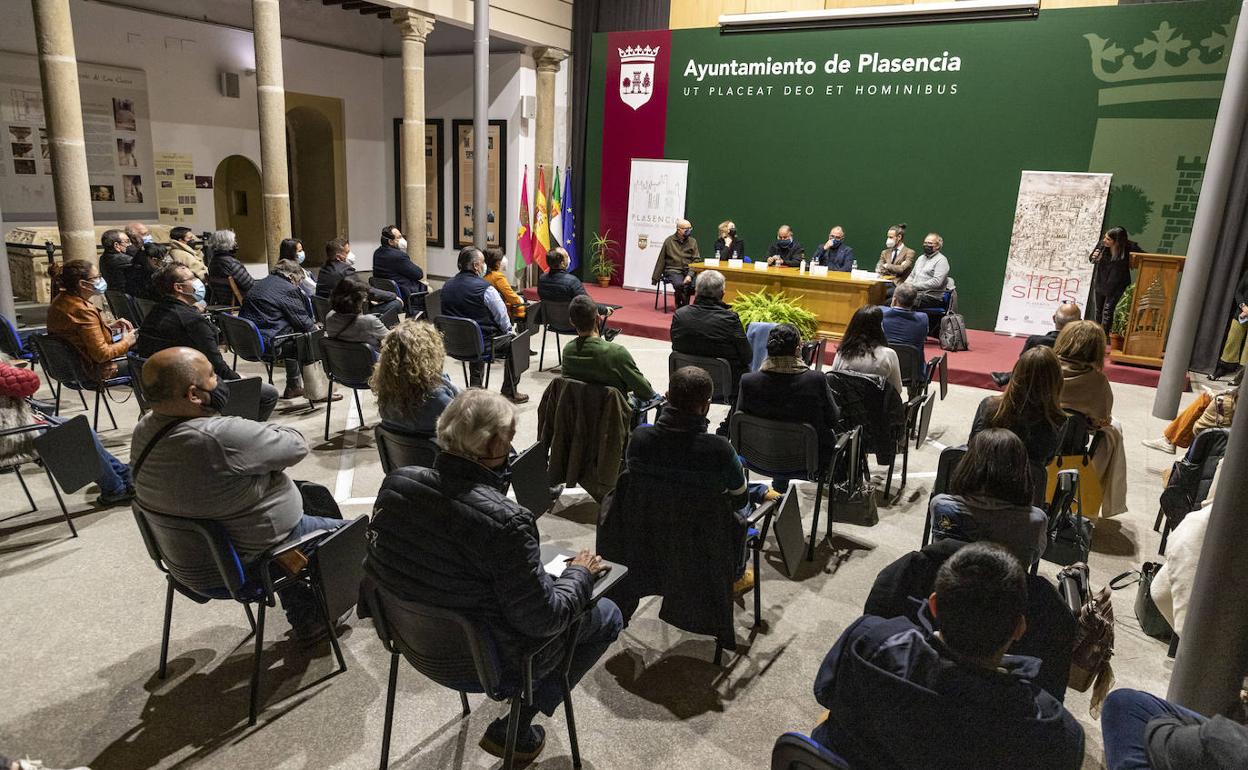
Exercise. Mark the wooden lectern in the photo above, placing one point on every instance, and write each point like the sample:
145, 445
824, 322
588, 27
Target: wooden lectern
1148, 323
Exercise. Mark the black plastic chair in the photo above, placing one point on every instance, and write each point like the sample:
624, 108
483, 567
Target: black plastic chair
790, 449
661, 287
11, 341
184, 548
935, 314
64, 366
413, 302
450, 650
136, 380
795, 751
938, 368
246, 342
948, 462
142, 307
913, 373
433, 305
1191, 478
913, 412
924, 423
123, 306
69, 459
554, 319
399, 450
320, 306
349, 364
724, 389
813, 351
465, 343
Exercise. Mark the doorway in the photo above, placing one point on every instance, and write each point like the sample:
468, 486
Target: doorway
316, 167
240, 206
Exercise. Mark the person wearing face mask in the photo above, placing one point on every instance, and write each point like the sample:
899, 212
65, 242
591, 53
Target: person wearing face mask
728, 245
390, 260
339, 263
224, 266
74, 318
278, 309
139, 237
930, 276
897, 259
292, 249
116, 259
468, 295
496, 274
235, 469
182, 249
835, 253
672, 266
786, 250
178, 321
450, 536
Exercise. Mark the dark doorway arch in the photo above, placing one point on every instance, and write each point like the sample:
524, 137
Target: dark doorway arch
239, 205
313, 180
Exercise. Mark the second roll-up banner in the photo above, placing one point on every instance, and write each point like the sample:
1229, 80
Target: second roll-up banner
656, 199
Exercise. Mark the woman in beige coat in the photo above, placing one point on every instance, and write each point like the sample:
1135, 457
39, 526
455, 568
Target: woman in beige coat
1085, 389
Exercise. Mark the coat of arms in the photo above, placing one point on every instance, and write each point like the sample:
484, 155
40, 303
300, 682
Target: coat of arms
637, 74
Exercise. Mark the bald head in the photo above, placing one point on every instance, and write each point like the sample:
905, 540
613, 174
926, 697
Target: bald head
683, 228
177, 382
1066, 312
137, 232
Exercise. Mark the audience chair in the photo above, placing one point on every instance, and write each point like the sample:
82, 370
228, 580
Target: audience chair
64, 366
320, 305
12, 344
433, 305
789, 449
123, 306
925, 420
935, 314
554, 319
189, 550
349, 364
948, 462
938, 368
247, 343
1191, 478
400, 450
725, 387
68, 456
452, 651
813, 353
142, 307
913, 412
224, 292
913, 374
465, 343
661, 287
413, 303
136, 380
794, 751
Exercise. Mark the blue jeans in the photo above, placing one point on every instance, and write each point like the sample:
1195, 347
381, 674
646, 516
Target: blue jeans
599, 628
1123, 718
114, 474
298, 599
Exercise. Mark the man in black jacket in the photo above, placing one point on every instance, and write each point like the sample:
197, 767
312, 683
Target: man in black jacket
390, 260
177, 322
558, 285
278, 308
785, 251
708, 327
116, 259
338, 265
450, 536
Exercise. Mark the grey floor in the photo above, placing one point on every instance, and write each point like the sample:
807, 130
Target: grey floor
83, 633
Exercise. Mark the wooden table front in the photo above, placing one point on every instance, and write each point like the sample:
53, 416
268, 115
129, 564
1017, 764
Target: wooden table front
832, 298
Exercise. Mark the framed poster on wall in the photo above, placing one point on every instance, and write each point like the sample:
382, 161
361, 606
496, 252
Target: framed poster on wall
435, 154
496, 190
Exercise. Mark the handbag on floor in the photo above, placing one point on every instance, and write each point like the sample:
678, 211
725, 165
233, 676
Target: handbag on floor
1152, 622
1094, 641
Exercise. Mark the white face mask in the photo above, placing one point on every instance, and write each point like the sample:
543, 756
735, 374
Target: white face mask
402, 244
890, 242
502, 266
351, 258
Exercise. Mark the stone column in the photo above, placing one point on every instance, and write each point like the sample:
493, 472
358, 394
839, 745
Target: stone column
62, 110
271, 96
415, 28
547, 65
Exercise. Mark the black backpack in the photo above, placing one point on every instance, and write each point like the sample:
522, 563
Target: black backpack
953, 333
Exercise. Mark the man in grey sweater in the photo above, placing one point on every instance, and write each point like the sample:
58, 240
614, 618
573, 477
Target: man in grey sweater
227, 469
930, 275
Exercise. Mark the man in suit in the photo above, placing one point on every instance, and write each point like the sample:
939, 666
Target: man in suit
390, 260
835, 253
1066, 312
902, 323
338, 265
786, 250
116, 259
896, 260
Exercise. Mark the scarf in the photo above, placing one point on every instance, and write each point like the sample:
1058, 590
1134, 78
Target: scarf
784, 365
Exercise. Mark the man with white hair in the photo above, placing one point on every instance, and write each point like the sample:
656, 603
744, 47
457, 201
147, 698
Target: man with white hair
709, 327
930, 275
672, 267
449, 536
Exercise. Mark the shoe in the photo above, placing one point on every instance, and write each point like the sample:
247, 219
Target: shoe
117, 498
771, 495
528, 745
1001, 378
336, 397
1222, 369
744, 583
34, 764
610, 334
557, 491
293, 392
517, 397
1160, 444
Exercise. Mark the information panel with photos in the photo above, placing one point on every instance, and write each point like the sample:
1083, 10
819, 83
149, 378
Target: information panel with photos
496, 193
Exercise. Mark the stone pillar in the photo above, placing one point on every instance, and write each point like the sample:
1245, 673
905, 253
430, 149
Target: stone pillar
547, 65
415, 28
271, 96
62, 109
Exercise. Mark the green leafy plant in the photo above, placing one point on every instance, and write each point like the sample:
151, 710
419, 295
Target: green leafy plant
1122, 312
601, 249
775, 308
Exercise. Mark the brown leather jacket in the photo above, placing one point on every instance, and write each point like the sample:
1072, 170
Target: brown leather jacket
82, 325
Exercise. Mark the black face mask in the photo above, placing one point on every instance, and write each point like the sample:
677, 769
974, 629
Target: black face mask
219, 396
732, 232
929, 250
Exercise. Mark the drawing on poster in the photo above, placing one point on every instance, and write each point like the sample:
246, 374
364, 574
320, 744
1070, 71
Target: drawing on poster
23, 150
125, 154
23, 166
102, 193
203, 182
123, 115
132, 186
20, 133
1056, 223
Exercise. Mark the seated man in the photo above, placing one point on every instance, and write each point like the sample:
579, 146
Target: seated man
677, 448
558, 285
672, 267
590, 358
787, 390
278, 308
835, 253
450, 536
930, 275
339, 263
1065, 313
900, 695
192, 462
116, 258
390, 260
1142, 730
902, 323
177, 322
468, 295
708, 327
182, 243
786, 250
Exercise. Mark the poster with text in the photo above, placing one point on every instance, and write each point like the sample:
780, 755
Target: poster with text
1057, 222
496, 196
656, 199
176, 191
116, 123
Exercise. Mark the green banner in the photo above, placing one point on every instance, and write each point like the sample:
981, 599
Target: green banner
931, 125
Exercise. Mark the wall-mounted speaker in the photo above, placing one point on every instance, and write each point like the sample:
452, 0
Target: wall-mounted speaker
528, 107
229, 85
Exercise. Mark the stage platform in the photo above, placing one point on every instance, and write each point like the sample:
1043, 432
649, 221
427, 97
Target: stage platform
989, 352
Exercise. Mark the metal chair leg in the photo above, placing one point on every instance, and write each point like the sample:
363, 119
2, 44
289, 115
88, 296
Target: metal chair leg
758, 581
329, 408
541, 358
95, 422
1157, 521
463, 700
513, 732
323, 607
164, 634
489, 367
559, 349
107, 408
888, 484
268, 367
61, 502
251, 619
17, 471
464, 366
255, 668
719, 653
56, 408
234, 365
814, 521
385, 732
83, 399
567, 711
359, 410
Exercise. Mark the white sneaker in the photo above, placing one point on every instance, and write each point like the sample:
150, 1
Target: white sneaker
1160, 444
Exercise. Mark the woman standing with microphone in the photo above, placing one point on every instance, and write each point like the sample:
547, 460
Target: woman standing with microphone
1111, 276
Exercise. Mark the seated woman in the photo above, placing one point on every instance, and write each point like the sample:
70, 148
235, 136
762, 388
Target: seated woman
292, 248
1080, 348
74, 318
1030, 405
411, 388
347, 320
990, 498
864, 348
496, 274
16, 385
1207, 411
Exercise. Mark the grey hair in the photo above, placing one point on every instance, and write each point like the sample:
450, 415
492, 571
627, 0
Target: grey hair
710, 284
472, 419
224, 240
288, 269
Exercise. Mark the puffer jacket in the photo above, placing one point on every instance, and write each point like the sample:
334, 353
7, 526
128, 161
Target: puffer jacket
449, 536
225, 265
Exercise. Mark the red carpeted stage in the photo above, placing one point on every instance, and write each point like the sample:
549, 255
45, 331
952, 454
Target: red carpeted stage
989, 352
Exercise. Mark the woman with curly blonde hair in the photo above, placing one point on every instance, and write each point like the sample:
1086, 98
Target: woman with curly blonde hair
411, 388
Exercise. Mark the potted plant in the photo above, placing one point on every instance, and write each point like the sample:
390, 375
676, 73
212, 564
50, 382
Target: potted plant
601, 264
775, 308
1118, 329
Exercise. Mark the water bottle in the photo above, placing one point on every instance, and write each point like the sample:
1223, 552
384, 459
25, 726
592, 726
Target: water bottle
855, 265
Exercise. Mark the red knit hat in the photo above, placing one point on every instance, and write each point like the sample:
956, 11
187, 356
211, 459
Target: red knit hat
17, 383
